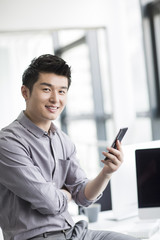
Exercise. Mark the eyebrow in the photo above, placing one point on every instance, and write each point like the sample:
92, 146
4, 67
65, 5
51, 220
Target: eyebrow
50, 85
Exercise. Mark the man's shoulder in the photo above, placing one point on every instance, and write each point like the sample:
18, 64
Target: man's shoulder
11, 132
12, 139
10, 129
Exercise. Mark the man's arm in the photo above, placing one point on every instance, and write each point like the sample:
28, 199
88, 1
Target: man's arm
24, 179
96, 186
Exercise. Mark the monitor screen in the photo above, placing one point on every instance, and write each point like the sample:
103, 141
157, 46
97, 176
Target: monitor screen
148, 180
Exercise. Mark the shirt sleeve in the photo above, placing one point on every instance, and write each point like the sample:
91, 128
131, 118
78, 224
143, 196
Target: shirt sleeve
19, 175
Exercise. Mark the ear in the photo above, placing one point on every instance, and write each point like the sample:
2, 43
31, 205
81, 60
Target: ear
25, 92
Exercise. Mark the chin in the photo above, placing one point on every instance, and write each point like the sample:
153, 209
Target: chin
53, 118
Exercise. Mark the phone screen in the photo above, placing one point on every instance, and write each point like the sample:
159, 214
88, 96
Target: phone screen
119, 137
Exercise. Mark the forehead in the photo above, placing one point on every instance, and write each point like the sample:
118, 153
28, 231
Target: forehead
52, 79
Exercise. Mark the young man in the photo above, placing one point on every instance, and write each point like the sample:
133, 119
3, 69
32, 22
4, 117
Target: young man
39, 170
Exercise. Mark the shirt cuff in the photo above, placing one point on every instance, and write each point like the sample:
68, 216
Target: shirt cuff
83, 201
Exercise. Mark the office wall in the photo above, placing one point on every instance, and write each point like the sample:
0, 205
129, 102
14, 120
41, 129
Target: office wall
62, 14
40, 14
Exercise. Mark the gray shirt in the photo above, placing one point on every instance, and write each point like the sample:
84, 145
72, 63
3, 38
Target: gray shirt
34, 167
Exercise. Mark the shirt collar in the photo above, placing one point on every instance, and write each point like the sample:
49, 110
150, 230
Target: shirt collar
31, 127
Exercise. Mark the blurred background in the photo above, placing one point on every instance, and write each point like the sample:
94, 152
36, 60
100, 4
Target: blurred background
113, 48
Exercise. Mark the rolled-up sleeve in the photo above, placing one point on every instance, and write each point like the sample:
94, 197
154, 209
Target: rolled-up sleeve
83, 201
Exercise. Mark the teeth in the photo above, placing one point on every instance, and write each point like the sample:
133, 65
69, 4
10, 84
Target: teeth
53, 108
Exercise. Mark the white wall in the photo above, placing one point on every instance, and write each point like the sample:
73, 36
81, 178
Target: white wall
40, 14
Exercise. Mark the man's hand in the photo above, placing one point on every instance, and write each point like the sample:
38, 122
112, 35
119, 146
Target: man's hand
69, 196
97, 185
114, 161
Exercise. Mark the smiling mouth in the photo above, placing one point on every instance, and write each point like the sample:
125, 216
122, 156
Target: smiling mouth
52, 109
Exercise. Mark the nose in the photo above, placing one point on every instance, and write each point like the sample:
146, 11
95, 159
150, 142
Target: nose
54, 97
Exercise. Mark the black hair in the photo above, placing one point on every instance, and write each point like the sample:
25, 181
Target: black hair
46, 63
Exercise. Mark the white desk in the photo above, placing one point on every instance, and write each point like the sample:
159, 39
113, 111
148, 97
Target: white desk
106, 222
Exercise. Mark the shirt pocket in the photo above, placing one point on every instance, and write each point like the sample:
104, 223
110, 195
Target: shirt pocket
62, 171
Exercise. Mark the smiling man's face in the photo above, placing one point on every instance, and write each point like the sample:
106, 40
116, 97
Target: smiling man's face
47, 100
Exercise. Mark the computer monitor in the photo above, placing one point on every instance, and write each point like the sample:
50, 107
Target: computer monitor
148, 182
124, 182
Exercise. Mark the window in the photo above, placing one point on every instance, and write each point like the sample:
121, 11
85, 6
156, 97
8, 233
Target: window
86, 115
151, 27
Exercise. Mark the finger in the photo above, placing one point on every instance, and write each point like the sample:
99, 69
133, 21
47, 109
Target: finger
109, 163
110, 166
117, 152
114, 159
110, 153
119, 147
111, 158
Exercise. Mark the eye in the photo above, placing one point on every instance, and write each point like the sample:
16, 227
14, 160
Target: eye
46, 89
62, 92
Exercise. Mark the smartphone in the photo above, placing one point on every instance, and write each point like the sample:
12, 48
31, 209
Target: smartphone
119, 137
